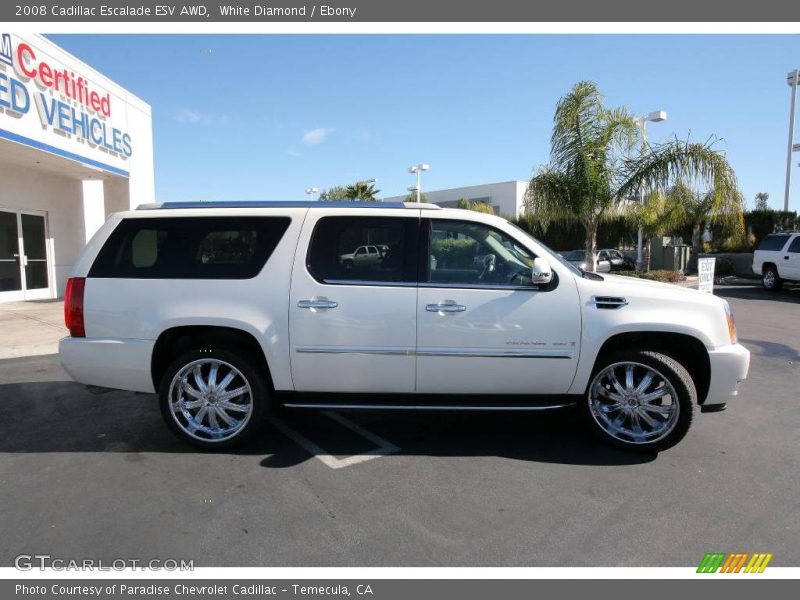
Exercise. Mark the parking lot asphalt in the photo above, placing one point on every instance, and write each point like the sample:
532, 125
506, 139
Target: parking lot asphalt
97, 475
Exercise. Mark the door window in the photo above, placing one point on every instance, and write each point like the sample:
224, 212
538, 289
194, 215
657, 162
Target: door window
34, 241
473, 254
795, 245
343, 250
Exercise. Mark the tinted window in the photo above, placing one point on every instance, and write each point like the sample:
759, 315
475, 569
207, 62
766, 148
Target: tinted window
189, 248
469, 253
575, 255
773, 242
795, 245
345, 249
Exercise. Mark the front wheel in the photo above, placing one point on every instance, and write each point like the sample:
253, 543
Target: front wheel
641, 401
213, 398
770, 279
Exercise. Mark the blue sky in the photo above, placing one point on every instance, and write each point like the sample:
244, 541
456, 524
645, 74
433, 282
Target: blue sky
266, 116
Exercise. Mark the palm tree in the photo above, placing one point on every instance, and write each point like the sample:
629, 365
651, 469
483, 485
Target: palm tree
591, 169
362, 190
686, 207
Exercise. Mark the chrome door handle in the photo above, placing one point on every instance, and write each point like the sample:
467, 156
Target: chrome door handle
317, 304
446, 307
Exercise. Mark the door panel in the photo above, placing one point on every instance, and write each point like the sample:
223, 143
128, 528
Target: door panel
494, 334
10, 275
352, 323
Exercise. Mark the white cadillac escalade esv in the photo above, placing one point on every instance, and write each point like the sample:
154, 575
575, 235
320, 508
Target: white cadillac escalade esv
228, 309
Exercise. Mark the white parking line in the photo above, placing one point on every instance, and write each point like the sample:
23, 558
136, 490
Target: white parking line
384, 447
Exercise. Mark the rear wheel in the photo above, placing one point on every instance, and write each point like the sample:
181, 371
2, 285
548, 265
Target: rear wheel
640, 401
213, 398
770, 279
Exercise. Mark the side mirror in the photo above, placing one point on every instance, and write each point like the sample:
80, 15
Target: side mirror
541, 273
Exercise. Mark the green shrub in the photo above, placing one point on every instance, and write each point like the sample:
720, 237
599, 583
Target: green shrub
452, 253
663, 275
723, 267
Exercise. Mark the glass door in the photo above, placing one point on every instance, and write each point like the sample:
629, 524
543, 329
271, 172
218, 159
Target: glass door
24, 261
10, 271
34, 256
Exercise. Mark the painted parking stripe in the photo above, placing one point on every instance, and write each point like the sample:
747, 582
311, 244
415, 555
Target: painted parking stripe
384, 447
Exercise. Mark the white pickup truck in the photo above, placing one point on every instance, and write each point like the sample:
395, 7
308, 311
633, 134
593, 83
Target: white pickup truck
229, 309
777, 259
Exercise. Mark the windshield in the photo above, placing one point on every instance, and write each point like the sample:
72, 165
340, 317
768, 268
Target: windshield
577, 255
553, 255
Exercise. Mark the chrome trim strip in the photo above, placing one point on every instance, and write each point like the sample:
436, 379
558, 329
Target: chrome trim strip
489, 407
468, 353
352, 350
497, 354
470, 286
272, 204
369, 283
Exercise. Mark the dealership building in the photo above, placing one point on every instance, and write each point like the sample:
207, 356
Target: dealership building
74, 148
507, 198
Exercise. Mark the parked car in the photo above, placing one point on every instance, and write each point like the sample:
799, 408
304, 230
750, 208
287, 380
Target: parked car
578, 258
619, 262
280, 321
777, 259
361, 256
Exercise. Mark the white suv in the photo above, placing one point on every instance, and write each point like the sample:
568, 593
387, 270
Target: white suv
777, 259
229, 309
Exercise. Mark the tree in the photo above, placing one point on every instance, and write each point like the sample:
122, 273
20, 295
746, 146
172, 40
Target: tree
337, 192
412, 197
478, 206
361, 190
592, 169
687, 207
761, 201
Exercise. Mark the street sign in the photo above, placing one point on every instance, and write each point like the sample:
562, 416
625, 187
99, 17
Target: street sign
705, 272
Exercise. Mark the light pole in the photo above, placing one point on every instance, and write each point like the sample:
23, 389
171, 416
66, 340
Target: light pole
791, 81
311, 191
653, 117
418, 169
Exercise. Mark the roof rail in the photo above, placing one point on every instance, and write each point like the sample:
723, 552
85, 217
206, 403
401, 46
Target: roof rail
283, 204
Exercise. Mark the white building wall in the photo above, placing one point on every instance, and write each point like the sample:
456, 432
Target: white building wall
507, 197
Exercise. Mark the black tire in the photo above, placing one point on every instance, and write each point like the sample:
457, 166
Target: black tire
248, 374
670, 370
770, 280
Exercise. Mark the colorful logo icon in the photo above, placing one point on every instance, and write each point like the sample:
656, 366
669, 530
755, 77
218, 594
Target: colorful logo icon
721, 562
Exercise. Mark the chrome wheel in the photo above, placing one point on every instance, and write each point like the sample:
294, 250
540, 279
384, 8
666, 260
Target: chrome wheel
769, 279
633, 403
210, 400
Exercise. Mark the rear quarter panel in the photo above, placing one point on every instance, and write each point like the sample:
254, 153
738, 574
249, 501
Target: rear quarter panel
142, 309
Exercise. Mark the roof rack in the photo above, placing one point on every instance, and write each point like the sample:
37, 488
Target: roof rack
283, 204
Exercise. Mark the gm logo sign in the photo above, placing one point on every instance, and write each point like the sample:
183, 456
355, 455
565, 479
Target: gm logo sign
5, 49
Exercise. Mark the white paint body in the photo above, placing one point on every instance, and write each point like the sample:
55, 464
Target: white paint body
786, 260
383, 339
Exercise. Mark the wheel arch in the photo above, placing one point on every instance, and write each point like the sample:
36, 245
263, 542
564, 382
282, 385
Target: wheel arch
174, 341
686, 349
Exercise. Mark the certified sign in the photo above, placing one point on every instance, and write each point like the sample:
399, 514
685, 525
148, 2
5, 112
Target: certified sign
705, 272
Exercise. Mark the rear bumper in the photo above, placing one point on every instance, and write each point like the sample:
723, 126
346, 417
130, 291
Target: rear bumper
729, 366
114, 363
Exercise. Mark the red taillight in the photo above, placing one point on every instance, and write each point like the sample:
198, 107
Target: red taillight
73, 306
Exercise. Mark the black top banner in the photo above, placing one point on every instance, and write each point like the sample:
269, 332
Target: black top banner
464, 11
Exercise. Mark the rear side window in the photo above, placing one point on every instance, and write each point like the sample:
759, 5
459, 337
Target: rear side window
795, 245
773, 242
364, 250
189, 248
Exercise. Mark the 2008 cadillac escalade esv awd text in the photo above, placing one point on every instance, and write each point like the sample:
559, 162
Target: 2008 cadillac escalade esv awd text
229, 309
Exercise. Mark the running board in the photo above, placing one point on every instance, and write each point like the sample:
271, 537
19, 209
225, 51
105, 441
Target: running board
463, 407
